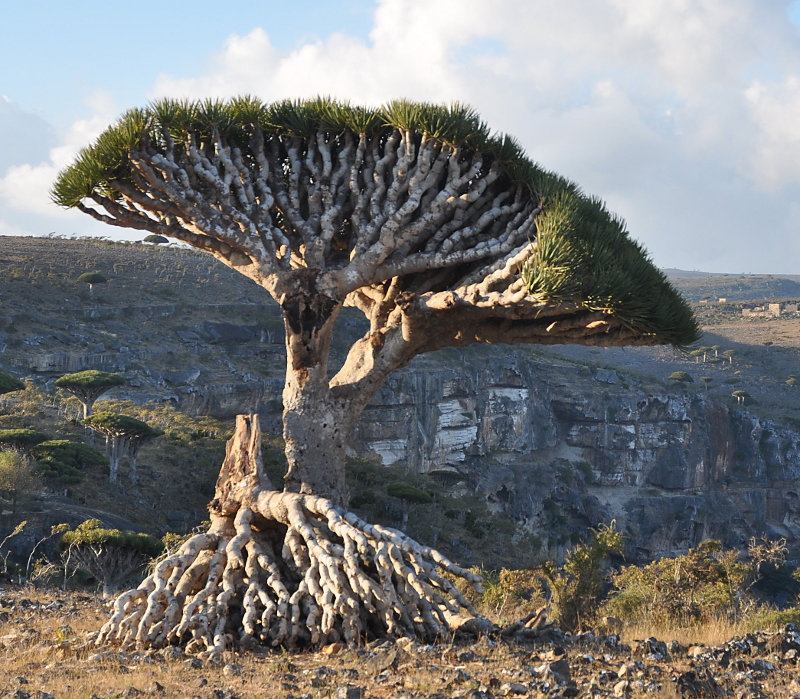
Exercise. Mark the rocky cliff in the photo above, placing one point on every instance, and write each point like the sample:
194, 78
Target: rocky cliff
551, 444
553, 439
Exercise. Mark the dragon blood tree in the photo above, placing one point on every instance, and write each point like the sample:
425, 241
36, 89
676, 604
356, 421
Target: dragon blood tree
441, 234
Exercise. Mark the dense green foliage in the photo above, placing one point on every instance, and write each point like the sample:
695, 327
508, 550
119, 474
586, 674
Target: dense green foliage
583, 254
155, 239
92, 533
92, 278
9, 383
121, 425
22, 438
64, 460
89, 379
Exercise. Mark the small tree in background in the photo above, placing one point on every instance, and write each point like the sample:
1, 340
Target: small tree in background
741, 397
124, 435
21, 439
110, 556
729, 354
17, 478
92, 278
155, 239
680, 376
9, 383
87, 386
64, 460
706, 381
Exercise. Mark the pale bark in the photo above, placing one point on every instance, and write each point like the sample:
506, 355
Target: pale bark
303, 571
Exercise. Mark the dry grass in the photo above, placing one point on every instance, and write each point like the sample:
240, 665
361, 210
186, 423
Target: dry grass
711, 633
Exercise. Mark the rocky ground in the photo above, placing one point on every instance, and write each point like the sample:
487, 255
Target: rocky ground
45, 653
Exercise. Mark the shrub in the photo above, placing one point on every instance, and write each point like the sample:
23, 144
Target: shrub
64, 460
110, 556
21, 439
576, 588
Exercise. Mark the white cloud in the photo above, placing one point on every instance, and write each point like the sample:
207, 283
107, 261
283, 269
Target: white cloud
25, 187
775, 110
682, 113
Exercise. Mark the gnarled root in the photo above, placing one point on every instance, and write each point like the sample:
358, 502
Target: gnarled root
289, 569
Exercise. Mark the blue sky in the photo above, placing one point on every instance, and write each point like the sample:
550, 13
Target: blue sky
682, 114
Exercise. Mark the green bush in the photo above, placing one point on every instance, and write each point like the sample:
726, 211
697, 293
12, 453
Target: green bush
704, 583
21, 439
9, 383
64, 460
576, 588
92, 533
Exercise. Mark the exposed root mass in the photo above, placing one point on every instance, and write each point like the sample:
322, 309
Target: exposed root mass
290, 570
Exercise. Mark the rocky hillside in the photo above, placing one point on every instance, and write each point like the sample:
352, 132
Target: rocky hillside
549, 441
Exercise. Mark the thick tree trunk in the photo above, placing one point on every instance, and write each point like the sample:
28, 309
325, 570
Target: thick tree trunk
314, 428
285, 569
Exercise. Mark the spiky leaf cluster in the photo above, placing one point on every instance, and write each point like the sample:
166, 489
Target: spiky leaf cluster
583, 254
65, 460
92, 278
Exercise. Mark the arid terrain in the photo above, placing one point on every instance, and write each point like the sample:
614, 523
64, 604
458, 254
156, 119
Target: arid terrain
46, 652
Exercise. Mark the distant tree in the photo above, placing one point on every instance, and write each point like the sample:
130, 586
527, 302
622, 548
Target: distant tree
741, 397
716, 349
441, 233
64, 460
729, 354
155, 239
680, 376
17, 478
87, 386
697, 353
21, 439
92, 278
706, 381
9, 383
110, 556
124, 435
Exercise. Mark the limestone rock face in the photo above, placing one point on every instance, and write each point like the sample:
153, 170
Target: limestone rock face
554, 446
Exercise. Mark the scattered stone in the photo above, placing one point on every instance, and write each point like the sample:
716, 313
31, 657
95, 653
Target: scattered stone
348, 693
699, 683
232, 670
512, 688
193, 663
382, 661
332, 649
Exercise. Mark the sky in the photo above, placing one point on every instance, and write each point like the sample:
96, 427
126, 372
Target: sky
683, 115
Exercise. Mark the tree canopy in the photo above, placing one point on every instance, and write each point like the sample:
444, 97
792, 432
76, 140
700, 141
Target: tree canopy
22, 438
120, 425
89, 385
221, 175
92, 278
